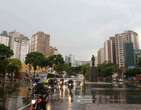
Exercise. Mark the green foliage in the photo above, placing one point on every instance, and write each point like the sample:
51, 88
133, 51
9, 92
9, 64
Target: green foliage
106, 69
139, 62
72, 70
85, 70
3, 66
67, 68
76, 70
14, 65
133, 72
59, 68
5, 52
35, 59
44, 62
55, 60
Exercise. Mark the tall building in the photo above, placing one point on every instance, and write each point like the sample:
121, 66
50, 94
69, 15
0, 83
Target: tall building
119, 49
108, 51
52, 51
137, 55
100, 56
19, 44
129, 55
40, 42
113, 50
70, 59
4, 40
121, 40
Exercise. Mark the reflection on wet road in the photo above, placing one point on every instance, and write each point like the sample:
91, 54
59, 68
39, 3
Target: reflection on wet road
65, 102
107, 97
14, 96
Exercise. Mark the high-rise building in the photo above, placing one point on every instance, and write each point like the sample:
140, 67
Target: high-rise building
70, 59
4, 33
19, 44
4, 40
113, 50
108, 51
100, 56
52, 51
121, 39
40, 42
137, 55
129, 55
119, 48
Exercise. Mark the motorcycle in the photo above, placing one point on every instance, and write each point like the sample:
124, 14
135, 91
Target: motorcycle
70, 86
38, 103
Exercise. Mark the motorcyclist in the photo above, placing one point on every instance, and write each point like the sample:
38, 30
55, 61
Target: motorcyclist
70, 84
39, 89
51, 85
41, 103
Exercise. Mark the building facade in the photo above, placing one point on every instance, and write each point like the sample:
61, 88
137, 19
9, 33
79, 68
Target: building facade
40, 42
113, 50
52, 51
4, 40
137, 55
108, 51
121, 40
129, 55
70, 59
119, 49
19, 44
100, 56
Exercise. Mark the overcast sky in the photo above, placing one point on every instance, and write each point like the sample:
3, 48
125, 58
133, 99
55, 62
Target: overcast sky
77, 27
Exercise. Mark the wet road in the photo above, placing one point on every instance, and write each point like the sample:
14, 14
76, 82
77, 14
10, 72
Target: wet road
107, 97
14, 95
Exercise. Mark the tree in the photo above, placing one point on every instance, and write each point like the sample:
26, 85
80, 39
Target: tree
57, 62
5, 52
85, 70
55, 59
67, 68
13, 67
34, 59
3, 66
132, 72
106, 69
59, 68
139, 62
44, 62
